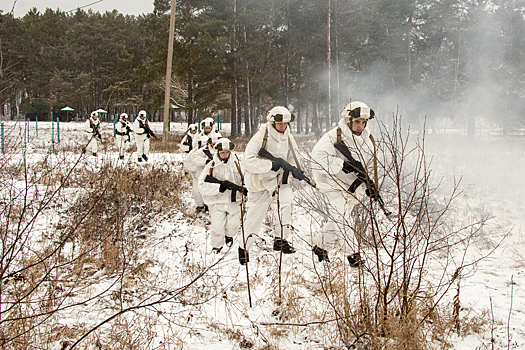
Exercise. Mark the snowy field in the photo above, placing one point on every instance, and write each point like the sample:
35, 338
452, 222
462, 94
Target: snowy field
175, 294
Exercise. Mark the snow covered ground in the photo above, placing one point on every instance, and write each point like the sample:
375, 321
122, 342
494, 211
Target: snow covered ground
183, 297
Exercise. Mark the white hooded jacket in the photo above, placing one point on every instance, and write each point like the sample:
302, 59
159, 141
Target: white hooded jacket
195, 161
188, 142
259, 175
121, 128
221, 171
90, 124
328, 162
202, 137
136, 126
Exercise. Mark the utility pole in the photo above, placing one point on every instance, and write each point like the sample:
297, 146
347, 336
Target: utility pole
167, 103
329, 64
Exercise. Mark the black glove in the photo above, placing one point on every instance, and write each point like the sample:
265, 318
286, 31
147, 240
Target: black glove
348, 168
372, 192
222, 188
245, 191
207, 160
276, 166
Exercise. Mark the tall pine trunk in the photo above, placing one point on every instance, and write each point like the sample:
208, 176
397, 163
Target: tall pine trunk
234, 87
329, 64
190, 111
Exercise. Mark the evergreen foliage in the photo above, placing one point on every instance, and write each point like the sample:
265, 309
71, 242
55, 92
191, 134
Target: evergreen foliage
450, 53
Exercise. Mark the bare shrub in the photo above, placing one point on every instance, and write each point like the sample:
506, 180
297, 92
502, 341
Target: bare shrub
67, 228
391, 301
172, 144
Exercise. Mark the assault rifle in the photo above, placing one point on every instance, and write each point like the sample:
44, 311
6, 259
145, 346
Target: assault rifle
228, 185
362, 176
147, 130
288, 168
96, 131
187, 142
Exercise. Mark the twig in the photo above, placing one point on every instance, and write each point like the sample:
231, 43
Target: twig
491, 325
243, 209
510, 309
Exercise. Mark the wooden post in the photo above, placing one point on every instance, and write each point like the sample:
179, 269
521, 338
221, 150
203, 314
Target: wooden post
166, 124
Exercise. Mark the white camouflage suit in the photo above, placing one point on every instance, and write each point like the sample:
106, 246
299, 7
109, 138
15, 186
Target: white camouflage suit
203, 137
195, 162
122, 135
141, 136
265, 185
89, 126
225, 215
334, 183
189, 141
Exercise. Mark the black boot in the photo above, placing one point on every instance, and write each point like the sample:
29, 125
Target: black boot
121, 157
229, 241
216, 250
282, 244
94, 154
321, 253
244, 257
206, 209
354, 260
140, 160
145, 157
83, 150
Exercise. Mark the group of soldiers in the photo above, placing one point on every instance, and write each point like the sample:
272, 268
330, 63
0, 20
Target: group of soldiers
341, 161
123, 130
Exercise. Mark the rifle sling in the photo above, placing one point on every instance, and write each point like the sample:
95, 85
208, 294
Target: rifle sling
375, 151
286, 173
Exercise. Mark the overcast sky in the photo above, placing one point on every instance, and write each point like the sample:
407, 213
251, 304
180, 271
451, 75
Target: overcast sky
131, 7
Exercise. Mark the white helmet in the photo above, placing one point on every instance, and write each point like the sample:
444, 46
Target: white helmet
123, 116
355, 110
142, 113
94, 114
193, 127
280, 114
224, 144
207, 122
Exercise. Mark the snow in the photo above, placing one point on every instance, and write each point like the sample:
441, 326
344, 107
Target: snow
180, 295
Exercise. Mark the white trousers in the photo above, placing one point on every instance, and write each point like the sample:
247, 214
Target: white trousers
225, 221
197, 197
340, 225
92, 146
122, 143
142, 141
257, 207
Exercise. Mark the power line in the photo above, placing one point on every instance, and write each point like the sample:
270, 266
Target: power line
76, 8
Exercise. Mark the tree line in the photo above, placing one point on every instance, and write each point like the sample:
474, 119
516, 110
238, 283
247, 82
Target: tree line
431, 58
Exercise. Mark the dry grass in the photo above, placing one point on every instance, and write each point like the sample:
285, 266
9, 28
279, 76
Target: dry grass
97, 241
99, 226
